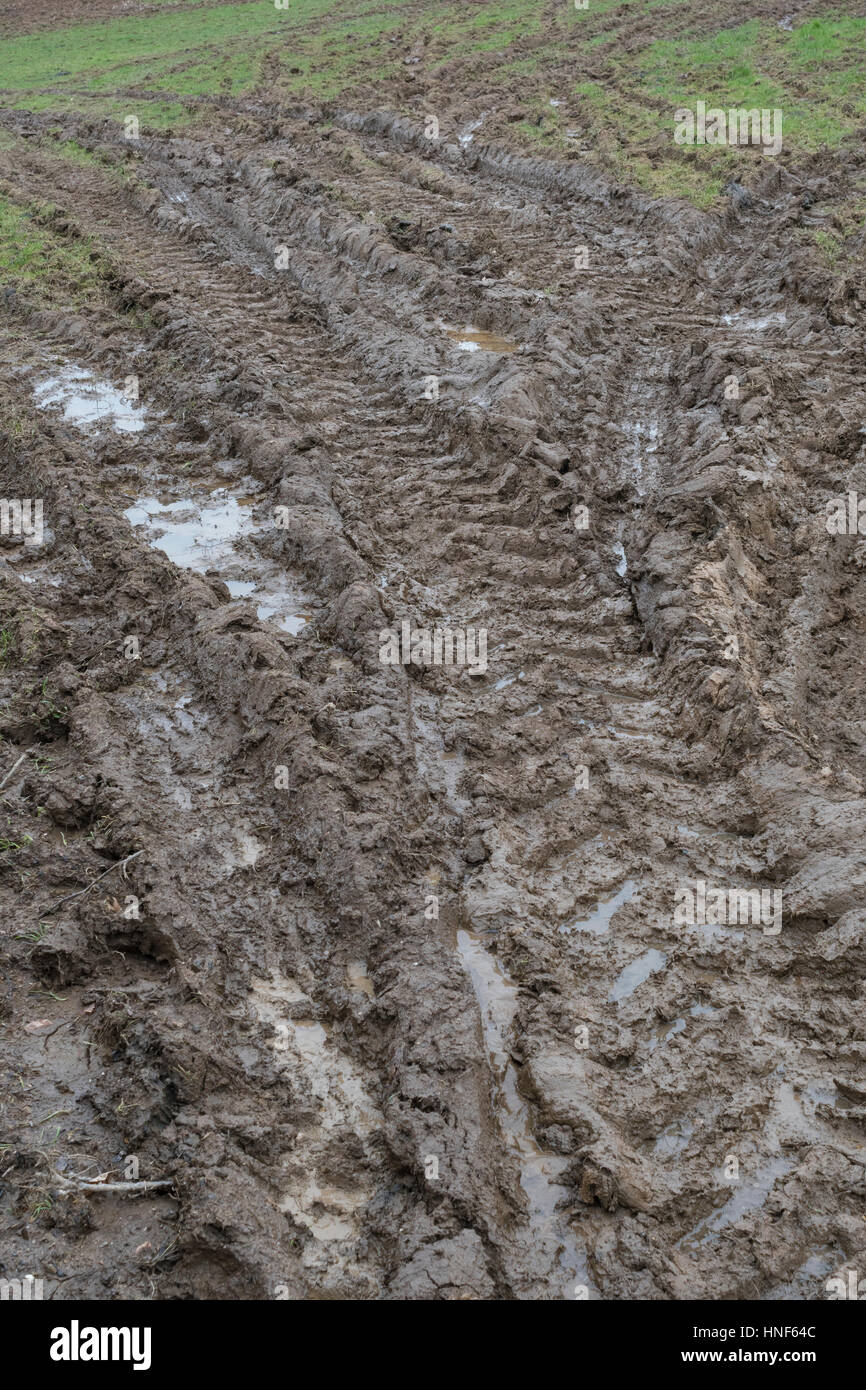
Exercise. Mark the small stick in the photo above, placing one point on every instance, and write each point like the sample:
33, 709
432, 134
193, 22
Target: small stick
129, 1187
121, 863
14, 767
82, 1185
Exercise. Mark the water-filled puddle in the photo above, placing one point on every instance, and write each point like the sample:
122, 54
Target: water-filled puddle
358, 979
205, 537
88, 401
742, 320
665, 1031
748, 1194
467, 135
471, 339
600, 920
194, 537
636, 974
540, 1172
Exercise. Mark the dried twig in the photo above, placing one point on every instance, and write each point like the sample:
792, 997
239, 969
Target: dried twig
15, 766
121, 864
72, 1180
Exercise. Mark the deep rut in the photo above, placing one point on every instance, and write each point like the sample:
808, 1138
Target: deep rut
502, 1106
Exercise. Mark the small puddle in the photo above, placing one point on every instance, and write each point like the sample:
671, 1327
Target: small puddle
810, 1278
540, 1172
471, 339
742, 320
504, 683
356, 974
663, 1032
205, 537
467, 134
636, 974
747, 1195
87, 401
600, 920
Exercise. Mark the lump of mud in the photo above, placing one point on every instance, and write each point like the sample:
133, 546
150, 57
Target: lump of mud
451, 1270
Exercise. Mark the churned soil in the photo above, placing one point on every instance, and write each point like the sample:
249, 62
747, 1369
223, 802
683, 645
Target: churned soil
378, 975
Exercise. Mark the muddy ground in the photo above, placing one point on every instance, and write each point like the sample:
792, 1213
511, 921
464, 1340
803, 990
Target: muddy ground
372, 970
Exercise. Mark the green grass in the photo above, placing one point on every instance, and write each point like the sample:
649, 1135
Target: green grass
36, 260
74, 153
37, 60
760, 65
621, 78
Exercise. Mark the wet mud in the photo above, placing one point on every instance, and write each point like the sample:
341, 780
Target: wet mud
376, 969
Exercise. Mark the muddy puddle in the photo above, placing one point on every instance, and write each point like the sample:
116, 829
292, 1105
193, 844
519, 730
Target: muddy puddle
749, 324
551, 1237
636, 973
87, 401
599, 922
470, 339
212, 536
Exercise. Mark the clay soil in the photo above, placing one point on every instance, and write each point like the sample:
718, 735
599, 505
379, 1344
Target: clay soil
371, 974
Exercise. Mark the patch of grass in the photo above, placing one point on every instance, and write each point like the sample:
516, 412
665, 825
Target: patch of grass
7, 845
37, 60
35, 259
759, 65
621, 79
8, 643
74, 153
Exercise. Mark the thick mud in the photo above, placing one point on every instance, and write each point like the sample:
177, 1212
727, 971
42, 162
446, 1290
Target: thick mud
380, 971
